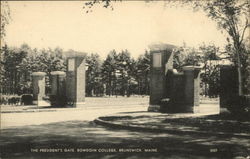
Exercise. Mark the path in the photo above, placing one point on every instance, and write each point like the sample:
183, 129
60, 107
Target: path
32, 135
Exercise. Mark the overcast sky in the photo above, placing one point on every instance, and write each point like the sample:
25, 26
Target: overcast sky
132, 25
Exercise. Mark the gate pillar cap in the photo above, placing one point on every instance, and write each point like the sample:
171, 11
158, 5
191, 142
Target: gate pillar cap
161, 46
191, 68
75, 54
57, 73
38, 74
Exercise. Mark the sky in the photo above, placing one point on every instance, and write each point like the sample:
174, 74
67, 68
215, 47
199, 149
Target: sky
132, 25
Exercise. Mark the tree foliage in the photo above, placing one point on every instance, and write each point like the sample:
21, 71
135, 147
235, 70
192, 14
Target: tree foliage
231, 16
118, 73
5, 17
17, 64
105, 3
143, 73
94, 84
207, 58
108, 72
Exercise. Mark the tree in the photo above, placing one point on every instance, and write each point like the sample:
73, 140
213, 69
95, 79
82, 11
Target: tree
246, 67
231, 16
17, 65
108, 71
142, 73
210, 77
11, 68
105, 3
205, 57
185, 56
123, 71
94, 84
5, 17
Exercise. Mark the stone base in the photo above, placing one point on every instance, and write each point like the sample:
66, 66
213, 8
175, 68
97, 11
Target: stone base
193, 109
41, 103
181, 109
154, 108
79, 104
196, 109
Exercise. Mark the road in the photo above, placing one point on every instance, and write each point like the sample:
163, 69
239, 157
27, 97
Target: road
71, 133
9, 120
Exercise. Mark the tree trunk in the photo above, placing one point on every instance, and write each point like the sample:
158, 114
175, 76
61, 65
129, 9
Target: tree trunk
240, 92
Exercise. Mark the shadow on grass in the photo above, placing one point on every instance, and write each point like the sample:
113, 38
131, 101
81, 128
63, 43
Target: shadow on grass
216, 123
19, 142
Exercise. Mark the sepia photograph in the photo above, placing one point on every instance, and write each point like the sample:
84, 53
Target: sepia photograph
125, 79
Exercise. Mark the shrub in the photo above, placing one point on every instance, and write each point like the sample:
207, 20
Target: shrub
240, 106
26, 99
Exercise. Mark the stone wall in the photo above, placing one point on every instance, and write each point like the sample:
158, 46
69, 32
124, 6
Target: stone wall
171, 91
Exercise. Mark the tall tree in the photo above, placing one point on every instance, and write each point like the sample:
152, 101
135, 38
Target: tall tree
11, 62
142, 73
231, 16
123, 73
94, 85
5, 17
210, 77
108, 70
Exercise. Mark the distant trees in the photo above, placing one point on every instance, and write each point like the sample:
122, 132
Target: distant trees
231, 16
5, 18
108, 72
124, 72
207, 58
142, 73
93, 77
211, 75
118, 74
11, 70
17, 64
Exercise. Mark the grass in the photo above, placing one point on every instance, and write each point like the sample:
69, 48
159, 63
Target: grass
18, 142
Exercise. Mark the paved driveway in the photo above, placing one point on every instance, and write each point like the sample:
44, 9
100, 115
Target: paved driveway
72, 134
93, 108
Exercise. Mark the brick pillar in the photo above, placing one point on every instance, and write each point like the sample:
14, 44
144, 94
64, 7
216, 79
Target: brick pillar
58, 88
160, 85
38, 83
192, 88
75, 81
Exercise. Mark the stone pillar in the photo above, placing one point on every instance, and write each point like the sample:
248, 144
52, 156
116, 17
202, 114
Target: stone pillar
192, 88
161, 63
177, 104
228, 88
58, 94
38, 83
75, 81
